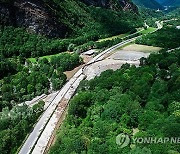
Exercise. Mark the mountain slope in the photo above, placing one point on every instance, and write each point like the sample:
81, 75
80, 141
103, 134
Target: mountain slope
152, 4
113, 4
33, 15
169, 2
162, 1
63, 18
172, 3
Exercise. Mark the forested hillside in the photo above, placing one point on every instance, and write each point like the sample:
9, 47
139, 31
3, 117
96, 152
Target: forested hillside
82, 23
138, 101
166, 37
173, 3
68, 17
152, 4
30, 28
175, 13
162, 1
169, 2
82, 19
42, 39
21, 83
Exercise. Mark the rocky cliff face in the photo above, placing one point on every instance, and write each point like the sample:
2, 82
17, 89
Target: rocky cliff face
6, 14
36, 17
128, 5
32, 15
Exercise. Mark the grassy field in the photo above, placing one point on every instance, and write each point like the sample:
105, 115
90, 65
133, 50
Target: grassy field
141, 48
145, 31
114, 37
48, 57
148, 30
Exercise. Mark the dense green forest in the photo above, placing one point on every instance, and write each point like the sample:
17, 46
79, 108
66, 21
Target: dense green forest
144, 98
102, 104
166, 38
34, 79
84, 23
15, 124
81, 19
174, 13
22, 80
17, 42
151, 16
28, 81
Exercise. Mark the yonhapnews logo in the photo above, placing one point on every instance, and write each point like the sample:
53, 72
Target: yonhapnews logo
123, 140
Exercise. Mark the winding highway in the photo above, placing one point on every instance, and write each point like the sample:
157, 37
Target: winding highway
40, 136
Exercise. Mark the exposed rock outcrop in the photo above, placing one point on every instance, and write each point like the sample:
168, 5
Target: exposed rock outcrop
128, 5
6, 14
36, 16
32, 15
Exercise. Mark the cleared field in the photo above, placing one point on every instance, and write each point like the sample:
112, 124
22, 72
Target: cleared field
128, 55
145, 31
101, 66
48, 57
131, 53
114, 37
140, 48
148, 30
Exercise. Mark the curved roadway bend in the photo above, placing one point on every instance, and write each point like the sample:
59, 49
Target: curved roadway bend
38, 139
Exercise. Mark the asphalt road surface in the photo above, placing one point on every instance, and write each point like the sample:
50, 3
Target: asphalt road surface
38, 138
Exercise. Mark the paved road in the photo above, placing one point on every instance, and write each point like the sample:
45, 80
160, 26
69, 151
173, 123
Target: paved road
38, 138
51, 125
39, 127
